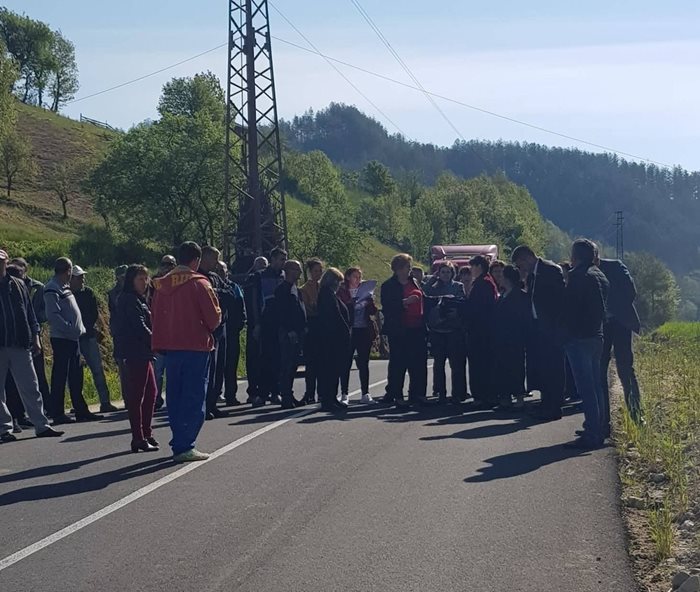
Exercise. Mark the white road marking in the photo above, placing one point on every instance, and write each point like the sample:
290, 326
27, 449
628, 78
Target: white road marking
139, 493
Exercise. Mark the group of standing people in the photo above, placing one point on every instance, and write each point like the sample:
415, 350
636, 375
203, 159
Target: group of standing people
509, 329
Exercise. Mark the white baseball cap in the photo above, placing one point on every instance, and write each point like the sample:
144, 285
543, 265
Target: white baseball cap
78, 271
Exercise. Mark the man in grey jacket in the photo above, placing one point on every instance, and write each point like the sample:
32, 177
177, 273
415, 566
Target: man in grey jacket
65, 329
19, 337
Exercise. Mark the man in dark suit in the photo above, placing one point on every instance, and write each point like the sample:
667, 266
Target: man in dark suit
545, 351
621, 321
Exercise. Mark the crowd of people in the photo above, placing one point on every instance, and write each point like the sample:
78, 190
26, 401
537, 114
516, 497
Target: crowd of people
505, 330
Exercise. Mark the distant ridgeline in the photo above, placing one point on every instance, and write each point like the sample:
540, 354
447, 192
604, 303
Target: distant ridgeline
579, 191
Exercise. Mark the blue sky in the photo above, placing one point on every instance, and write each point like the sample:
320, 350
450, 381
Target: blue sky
621, 73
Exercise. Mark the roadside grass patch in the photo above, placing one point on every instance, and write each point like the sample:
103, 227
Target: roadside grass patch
660, 458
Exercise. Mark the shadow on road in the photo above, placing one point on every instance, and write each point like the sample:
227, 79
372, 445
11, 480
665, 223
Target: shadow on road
520, 463
56, 469
84, 484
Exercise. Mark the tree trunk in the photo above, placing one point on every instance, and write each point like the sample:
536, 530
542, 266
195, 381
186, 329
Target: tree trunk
64, 203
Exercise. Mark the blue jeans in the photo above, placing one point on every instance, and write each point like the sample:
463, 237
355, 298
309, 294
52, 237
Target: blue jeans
90, 350
584, 357
187, 373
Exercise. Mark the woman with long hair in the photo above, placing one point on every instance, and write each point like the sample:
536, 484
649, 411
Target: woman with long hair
362, 335
334, 340
132, 345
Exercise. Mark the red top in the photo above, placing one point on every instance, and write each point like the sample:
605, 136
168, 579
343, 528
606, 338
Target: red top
185, 312
412, 316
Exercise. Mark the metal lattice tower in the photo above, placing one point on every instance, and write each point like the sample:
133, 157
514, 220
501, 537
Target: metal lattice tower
619, 236
253, 151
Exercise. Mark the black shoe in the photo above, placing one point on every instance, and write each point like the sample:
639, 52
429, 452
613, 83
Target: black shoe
160, 401
108, 408
8, 437
25, 423
301, 403
401, 404
218, 413
87, 416
152, 441
15, 427
387, 399
50, 433
288, 403
60, 419
309, 399
143, 446
275, 400
258, 402
233, 402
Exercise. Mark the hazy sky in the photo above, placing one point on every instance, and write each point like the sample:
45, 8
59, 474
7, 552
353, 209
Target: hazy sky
625, 74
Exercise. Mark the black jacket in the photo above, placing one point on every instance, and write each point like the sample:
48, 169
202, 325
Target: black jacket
232, 302
291, 317
392, 305
546, 291
87, 303
512, 321
18, 324
622, 294
132, 326
333, 320
586, 292
482, 302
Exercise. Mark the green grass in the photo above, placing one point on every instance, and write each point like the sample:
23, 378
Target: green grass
668, 442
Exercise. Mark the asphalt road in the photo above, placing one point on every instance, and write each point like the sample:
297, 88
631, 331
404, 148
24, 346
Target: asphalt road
380, 500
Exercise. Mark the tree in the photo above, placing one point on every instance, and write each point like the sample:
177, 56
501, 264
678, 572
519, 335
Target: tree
16, 158
63, 81
326, 231
8, 76
164, 182
189, 96
312, 177
29, 43
657, 291
66, 179
377, 180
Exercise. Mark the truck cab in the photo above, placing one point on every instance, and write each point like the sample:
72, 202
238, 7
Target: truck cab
459, 255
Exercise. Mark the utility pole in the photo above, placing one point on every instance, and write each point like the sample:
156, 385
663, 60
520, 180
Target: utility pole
619, 235
255, 217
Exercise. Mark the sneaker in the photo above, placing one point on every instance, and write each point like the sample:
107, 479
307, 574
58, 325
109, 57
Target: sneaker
344, 398
8, 437
50, 433
366, 398
192, 455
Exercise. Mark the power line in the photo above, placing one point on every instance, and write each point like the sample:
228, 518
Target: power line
106, 90
329, 61
365, 15
474, 107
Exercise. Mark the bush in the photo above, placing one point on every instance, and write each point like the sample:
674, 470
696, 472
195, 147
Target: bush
39, 253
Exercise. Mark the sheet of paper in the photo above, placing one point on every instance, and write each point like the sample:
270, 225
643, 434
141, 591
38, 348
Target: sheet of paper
366, 289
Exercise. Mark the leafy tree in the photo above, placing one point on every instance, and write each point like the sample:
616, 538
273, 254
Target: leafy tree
164, 182
201, 93
377, 180
657, 291
8, 76
326, 231
29, 42
689, 286
63, 82
16, 159
312, 177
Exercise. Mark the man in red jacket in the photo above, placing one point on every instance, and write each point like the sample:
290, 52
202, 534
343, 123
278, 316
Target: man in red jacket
185, 314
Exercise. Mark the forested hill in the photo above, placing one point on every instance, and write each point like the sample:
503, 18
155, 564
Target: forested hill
579, 191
